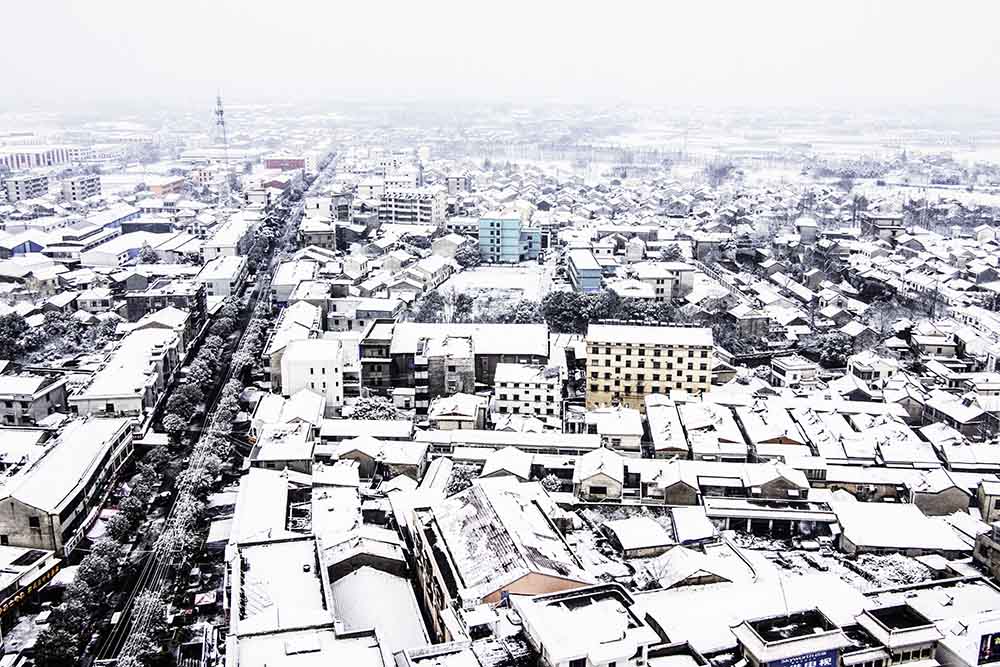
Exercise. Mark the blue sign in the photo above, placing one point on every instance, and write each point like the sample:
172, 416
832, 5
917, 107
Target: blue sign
815, 659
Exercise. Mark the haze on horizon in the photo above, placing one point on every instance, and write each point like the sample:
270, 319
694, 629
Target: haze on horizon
783, 53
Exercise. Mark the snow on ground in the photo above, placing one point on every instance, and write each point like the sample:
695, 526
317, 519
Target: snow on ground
867, 572
893, 569
528, 280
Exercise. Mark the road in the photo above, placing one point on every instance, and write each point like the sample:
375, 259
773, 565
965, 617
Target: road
156, 569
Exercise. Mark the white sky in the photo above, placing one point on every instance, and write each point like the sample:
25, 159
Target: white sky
687, 52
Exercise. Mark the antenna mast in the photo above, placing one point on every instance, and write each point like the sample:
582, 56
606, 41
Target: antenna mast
220, 124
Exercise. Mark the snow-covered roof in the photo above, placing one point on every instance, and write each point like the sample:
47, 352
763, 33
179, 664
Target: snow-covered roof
638, 532
498, 532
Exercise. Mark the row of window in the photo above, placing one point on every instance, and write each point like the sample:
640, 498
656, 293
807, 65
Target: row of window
516, 410
517, 397
638, 376
656, 364
525, 385
641, 352
641, 389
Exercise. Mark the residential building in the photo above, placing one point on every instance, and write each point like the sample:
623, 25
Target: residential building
26, 186
470, 550
443, 359
133, 376
52, 502
793, 371
224, 276
189, 295
355, 314
299, 321
584, 271
287, 277
316, 364
27, 398
624, 363
669, 280
504, 239
319, 232
596, 625
80, 187
232, 237
415, 206
529, 390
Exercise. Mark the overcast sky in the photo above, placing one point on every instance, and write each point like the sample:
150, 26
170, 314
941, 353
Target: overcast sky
688, 52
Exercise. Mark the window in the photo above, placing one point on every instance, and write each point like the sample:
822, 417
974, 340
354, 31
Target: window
451, 369
34, 522
4, 540
312, 371
593, 387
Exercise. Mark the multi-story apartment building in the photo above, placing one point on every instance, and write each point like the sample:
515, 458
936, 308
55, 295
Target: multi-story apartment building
504, 239
443, 359
319, 232
75, 188
533, 391
583, 270
189, 295
26, 186
669, 280
27, 399
624, 363
53, 500
315, 364
459, 183
415, 206
133, 376
224, 276
30, 157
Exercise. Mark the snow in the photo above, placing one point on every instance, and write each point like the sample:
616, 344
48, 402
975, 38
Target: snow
361, 598
638, 532
691, 524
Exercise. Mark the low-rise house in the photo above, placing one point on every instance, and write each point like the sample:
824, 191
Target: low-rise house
458, 411
495, 539
665, 430
133, 377
617, 629
669, 280
27, 399
383, 459
52, 502
793, 371
224, 276
284, 447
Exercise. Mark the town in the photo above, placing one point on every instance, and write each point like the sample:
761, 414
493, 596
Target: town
391, 385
